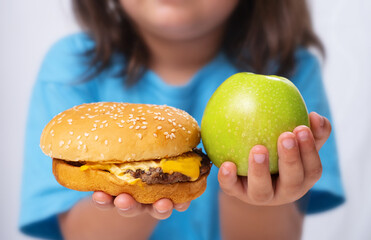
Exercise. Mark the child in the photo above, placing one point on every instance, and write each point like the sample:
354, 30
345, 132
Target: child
177, 53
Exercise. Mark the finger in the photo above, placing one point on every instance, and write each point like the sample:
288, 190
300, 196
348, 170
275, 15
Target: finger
161, 209
259, 181
181, 207
309, 155
127, 206
321, 128
229, 181
102, 200
291, 172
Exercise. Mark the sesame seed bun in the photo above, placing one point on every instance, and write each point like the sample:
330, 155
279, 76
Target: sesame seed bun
93, 180
119, 132
107, 133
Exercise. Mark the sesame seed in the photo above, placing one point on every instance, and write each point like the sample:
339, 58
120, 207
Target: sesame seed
96, 138
137, 127
174, 123
143, 127
93, 129
140, 135
159, 127
69, 120
131, 126
120, 140
82, 117
96, 121
170, 121
104, 121
80, 142
106, 142
172, 135
86, 134
173, 130
101, 126
189, 132
154, 134
143, 118
78, 137
69, 142
79, 147
102, 155
145, 123
61, 143
71, 133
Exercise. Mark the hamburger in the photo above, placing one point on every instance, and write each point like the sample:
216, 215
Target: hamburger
147, 151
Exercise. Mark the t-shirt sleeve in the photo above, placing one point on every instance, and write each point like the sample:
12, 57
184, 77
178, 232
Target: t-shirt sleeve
328, 192
58, 87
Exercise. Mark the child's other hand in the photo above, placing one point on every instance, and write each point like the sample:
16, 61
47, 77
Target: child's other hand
128, 207
299, 167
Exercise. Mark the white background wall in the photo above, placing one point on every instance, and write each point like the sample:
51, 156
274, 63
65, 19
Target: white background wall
28, 28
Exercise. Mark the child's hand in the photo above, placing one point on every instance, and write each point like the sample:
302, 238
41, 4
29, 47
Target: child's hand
299, 167
128, 207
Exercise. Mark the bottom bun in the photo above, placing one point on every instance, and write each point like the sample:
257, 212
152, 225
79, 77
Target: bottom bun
96, 180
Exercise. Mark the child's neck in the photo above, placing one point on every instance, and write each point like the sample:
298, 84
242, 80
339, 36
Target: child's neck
176, 61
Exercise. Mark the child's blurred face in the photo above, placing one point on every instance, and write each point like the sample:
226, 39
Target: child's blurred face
178, 19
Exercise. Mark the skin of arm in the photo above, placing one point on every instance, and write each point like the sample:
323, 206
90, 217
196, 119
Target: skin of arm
88, 221
106, 217
240, 220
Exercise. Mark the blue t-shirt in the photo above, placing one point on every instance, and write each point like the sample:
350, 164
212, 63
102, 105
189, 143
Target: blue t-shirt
58, 88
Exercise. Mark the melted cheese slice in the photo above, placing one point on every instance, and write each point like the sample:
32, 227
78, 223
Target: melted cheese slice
187, 164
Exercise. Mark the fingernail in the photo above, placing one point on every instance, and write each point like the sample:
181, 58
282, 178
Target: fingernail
259, 158
161, 211
322, 122
99, 202
303, 135
225, 171
125, 209
288, 143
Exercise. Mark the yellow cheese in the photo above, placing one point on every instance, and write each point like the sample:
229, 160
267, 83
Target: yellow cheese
187, 164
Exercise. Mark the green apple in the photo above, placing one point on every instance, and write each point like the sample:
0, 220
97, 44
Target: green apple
247, 110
